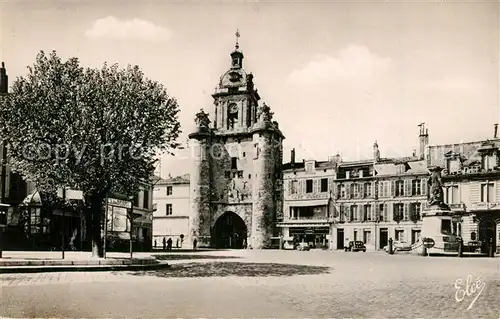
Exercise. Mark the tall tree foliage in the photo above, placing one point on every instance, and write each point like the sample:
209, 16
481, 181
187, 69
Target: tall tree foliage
97, 130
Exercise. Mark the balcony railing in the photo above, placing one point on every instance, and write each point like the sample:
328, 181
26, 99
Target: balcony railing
307, 218
484, 206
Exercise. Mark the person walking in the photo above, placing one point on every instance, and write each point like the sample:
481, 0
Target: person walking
169, 244
195, 241
164, 244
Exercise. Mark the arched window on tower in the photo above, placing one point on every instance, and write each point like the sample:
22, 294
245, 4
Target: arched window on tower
232, 116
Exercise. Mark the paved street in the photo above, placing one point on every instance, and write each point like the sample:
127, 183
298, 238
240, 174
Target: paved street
328, 284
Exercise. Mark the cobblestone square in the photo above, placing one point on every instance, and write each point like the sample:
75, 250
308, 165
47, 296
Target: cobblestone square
264, 284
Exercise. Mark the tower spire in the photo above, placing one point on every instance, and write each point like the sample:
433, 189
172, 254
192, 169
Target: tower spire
237, 34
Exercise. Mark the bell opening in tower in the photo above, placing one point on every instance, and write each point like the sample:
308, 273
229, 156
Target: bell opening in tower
232, 116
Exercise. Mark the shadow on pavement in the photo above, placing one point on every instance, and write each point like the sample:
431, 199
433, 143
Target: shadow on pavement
226, 269
187, 257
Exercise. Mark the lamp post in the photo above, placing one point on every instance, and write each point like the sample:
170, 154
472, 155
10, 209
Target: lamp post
4, 207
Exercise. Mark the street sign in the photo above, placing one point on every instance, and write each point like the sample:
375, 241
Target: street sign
119, 203
70, 193
428, 242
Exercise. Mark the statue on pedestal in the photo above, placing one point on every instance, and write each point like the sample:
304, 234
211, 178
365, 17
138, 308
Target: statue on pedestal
202, 119
264, 113
435, 183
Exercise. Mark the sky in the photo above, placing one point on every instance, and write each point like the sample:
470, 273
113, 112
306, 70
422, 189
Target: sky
337, 75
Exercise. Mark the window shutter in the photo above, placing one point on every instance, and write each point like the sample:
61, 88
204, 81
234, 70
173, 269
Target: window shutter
347, 213
377, 212
347, 190
331, 187
408, 187
474, 192
289, 187
393, 189
360, 212
405, 212
423, 186
373, 213
380, 185
390, 212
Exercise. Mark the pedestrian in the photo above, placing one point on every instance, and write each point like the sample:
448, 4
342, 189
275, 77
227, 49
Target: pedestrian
155, 243
169, 244
164, 244
177, 243
195, 241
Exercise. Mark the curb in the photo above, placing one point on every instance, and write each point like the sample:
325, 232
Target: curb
39, 269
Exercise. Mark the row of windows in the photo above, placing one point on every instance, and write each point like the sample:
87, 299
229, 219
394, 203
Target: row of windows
379, 212
357, 190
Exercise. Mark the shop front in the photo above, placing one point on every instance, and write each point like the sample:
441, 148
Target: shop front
316, 236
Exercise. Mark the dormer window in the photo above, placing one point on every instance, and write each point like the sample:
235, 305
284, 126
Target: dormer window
488, 161
453, 165
310, 167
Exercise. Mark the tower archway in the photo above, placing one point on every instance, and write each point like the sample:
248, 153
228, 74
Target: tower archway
230, 232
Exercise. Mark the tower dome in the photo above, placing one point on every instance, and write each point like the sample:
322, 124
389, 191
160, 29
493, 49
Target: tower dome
234, 77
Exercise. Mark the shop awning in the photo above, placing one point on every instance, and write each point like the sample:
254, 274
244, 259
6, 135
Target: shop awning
293, 225
307, 203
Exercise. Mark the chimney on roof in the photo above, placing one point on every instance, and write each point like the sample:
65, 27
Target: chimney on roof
423, 139
292, 156
495, 135
4, 80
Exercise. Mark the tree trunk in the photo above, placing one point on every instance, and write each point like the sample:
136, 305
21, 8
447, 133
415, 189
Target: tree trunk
95, 217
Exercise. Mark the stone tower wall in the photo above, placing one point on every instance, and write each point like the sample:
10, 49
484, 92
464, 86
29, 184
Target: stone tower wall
264, 205
199, 199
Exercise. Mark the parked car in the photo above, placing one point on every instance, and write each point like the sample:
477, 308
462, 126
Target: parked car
402, 246
473, 246
355, 246
303, 247
288, 244
399, 246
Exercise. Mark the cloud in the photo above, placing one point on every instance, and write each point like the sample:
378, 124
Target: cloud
111, 27
352, 63
456, 84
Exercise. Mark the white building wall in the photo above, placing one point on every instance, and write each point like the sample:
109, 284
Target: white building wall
171, 226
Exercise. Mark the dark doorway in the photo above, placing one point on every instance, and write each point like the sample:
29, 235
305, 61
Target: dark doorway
340, 239
487, 232
383, 238
229, 231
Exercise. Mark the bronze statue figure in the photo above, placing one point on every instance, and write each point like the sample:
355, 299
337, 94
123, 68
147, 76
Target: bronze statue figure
202, 119
435, 184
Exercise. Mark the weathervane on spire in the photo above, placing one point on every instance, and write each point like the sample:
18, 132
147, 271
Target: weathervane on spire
237, 34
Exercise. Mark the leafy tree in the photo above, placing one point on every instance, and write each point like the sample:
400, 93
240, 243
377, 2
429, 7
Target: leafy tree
97, 130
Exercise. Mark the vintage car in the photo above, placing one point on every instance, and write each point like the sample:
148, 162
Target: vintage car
399, 246
402, 246
355, 246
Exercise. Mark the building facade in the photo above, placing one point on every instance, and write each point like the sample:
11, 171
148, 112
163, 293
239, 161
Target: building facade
333, 202
171, 217
471, 179
235, 195
308, 199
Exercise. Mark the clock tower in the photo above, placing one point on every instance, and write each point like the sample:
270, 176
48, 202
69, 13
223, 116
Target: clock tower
235, 195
